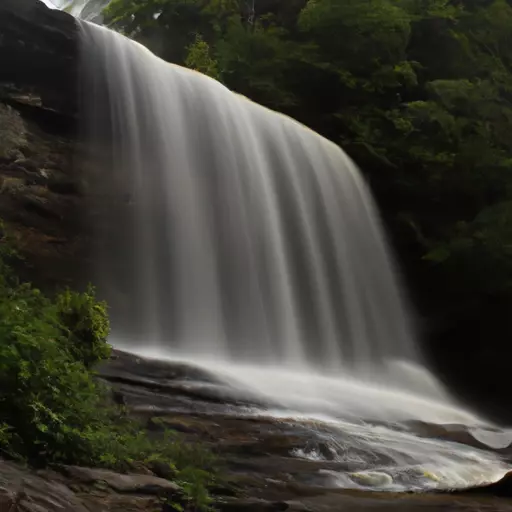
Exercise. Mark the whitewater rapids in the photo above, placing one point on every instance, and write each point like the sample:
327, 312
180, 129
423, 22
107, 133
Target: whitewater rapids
370, 428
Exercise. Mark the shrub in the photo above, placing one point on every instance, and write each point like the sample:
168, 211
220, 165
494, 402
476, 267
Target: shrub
54, 410
47, 394
84, 323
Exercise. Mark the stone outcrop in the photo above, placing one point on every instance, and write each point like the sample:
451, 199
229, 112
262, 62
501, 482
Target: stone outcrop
259, 471
71, 489
42, 177
130, 483
39, 52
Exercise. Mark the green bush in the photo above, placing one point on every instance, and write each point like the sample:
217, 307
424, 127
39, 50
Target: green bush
84, 323
54, 410
46, 393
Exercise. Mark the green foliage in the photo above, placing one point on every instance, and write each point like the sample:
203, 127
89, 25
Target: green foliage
254, 62
52, 409
198, 58
84, 323
48, 398
4, 435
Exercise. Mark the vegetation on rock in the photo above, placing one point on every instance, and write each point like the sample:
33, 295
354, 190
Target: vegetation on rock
52, 407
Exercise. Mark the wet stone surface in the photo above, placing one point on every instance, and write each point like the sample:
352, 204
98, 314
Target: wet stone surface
278, 460
269, 463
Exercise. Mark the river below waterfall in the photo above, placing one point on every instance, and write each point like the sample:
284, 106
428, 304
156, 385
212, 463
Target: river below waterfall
274, 438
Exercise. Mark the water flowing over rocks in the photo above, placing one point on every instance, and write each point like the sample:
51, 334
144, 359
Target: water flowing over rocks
261, 471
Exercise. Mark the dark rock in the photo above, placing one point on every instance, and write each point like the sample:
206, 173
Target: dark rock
39, 51
22, 490
161, 469
13, 139
129, 483
297, 506
60, 183
27, 164
463, 434
251, 505
118, 398
42, 206
502, 488
42, 183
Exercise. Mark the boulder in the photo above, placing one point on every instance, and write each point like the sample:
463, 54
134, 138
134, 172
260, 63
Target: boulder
43, 166
76, 489
25, 491
39, 52
129, 483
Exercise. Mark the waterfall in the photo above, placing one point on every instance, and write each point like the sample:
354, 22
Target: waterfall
235, 238
239, 233
84, 9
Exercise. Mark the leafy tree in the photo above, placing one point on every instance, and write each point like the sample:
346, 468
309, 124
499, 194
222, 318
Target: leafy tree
199, 58
84, 323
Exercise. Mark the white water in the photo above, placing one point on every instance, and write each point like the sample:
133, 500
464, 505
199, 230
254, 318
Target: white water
83, 9
332, 396
250, 237
245, 242
49, 4
363, 426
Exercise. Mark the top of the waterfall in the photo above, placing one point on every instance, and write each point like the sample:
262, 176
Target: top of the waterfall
84, 9
49, 4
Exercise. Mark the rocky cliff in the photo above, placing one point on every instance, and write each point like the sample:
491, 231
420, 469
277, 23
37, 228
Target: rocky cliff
39, 52
42, 186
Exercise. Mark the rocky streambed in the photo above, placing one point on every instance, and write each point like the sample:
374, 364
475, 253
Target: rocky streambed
269, 461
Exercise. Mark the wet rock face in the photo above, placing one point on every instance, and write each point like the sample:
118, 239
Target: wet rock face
130, 483
42, 195
72, 489
42, 165
12, 134
39, 51
21, 490
260, 472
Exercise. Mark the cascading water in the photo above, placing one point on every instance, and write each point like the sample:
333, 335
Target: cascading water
84, 9
250, 237
236, 238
